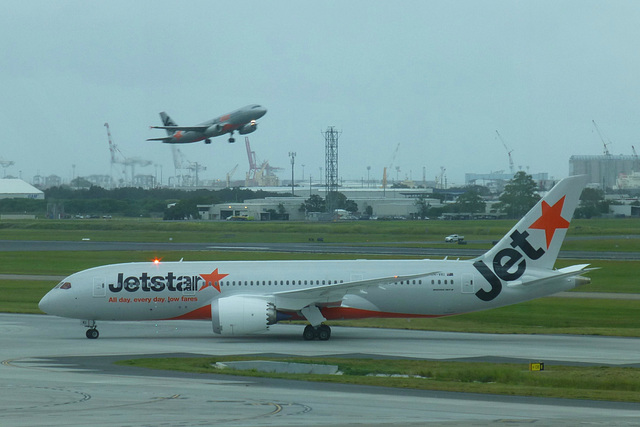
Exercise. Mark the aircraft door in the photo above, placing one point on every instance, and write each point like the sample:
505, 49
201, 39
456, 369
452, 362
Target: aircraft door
467, 284
99, 287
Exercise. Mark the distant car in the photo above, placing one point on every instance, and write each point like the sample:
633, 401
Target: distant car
454, 238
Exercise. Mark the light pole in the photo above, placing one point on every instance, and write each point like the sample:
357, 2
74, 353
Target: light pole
292, 154
368, 182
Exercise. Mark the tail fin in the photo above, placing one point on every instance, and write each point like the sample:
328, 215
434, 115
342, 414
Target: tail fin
538, 236
167, 121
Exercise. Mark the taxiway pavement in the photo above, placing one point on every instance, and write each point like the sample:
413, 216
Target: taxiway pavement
51, 376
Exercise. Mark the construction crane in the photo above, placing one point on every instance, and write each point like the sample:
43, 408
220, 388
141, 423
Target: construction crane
118, 158
512, 169
605, 144
229, 175
443, 178
384, 171
263, 174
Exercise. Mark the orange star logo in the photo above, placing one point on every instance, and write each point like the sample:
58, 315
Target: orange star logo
551, 220
212, 280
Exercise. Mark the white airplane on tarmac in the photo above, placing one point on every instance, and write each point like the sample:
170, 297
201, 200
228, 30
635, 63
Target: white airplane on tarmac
245, 297
242, 120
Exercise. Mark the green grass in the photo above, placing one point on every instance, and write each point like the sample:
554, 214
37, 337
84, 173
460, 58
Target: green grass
592, 383
23, 296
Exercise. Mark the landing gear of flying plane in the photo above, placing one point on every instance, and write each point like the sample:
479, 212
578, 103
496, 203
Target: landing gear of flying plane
92, 332
322, 332
232, 140
207, 141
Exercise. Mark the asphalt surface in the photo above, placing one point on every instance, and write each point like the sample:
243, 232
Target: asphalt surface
454, 250
53, 376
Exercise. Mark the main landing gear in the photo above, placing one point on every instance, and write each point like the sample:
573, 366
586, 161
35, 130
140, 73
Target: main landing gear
231, 138
207, 141
92, 332
322, 332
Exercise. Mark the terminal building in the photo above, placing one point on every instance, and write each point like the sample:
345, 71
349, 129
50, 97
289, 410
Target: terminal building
392, 203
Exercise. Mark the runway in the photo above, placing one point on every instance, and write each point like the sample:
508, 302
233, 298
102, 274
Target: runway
52, 376
307, 247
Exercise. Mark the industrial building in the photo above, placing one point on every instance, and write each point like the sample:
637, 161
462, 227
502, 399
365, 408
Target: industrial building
392, 204
605, 169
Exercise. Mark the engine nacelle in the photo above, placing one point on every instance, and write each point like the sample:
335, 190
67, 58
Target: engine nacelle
240, 315
214, 130
248, 128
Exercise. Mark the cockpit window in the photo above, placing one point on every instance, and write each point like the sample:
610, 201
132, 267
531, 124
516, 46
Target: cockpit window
64, 285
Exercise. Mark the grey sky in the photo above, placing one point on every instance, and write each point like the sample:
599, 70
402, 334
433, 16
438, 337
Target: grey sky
438, 77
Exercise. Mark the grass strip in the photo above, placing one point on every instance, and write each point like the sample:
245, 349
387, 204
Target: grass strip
591, 383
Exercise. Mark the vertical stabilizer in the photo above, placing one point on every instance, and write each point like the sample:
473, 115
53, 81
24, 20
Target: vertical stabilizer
167, 121
537, 237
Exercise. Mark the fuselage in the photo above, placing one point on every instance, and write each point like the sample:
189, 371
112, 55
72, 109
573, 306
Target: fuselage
241, 120
185, 290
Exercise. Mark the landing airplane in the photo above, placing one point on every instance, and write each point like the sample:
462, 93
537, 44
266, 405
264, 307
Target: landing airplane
245, 297
242, 120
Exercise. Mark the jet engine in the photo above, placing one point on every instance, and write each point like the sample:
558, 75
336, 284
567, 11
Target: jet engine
248, 128
214, 130
240, 315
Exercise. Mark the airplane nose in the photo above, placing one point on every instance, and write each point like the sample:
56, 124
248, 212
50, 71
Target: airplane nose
45, 303
53, 303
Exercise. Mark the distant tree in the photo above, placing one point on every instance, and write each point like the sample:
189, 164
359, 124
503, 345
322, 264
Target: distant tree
592, 203
184, 209
314, 203
423, 207
470, 201
519, 195
351, 206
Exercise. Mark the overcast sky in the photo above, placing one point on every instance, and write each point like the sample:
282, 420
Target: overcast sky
437, 77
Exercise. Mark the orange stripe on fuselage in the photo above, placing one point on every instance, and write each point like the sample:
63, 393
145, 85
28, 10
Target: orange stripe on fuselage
330, 313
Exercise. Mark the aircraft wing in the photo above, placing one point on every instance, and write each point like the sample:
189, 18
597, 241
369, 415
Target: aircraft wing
183, 128
298, 299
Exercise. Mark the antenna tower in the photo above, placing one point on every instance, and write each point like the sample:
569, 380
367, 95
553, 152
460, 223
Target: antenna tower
331, 136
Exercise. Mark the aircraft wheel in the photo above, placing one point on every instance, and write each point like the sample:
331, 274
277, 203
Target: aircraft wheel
324, 332
207, 141
232, 140
309, 333
92, 334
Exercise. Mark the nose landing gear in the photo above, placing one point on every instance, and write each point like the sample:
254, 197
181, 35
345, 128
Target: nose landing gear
92, 332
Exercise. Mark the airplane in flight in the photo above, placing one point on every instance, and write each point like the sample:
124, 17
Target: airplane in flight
242, 120
246, 297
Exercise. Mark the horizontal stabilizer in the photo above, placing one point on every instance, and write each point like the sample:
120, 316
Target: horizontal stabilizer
572, 271
163, 139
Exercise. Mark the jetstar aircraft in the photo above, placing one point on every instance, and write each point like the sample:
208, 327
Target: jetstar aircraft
242, 120
244, 297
